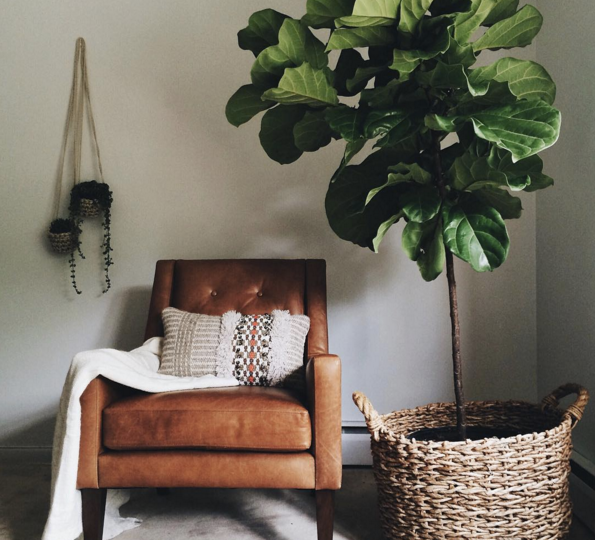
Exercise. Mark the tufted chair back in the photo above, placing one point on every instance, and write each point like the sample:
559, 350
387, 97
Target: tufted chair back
249, 286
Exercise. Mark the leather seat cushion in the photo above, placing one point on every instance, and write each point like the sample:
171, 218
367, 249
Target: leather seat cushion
239, 418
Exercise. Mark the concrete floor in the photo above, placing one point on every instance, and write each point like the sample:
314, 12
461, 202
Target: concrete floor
206, 514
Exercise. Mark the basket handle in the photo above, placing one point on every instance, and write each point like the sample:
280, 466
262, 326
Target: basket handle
576, 410
373, 419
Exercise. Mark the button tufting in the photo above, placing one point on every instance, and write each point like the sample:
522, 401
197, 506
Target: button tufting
259, 293
213, 293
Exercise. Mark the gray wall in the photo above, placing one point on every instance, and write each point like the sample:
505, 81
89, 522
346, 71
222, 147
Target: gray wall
188, 185
565, 213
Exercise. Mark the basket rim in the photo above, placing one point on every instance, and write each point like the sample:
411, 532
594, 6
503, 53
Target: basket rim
565, 423
60, 233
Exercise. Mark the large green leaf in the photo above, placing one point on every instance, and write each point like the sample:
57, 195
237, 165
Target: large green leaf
322, 13
312, 132
276, 133
349, 216
303, 85
414, 237
359, 21
502, 10
539, 181
412, 12
352, 148
451, 76
468, 22
431, 260
524, 128
526, 79
508, 207
409, 172
362, 76
527, 172
421, 203
404, 173
346, 121
405, 61
498, 94
349, 61
299, 45
245, 104
268, 67
448, 124
383, 229
352, 38
388, 9
393, 125
458, 53
382, 97
262, 31
475, 233
469, 173
516, 31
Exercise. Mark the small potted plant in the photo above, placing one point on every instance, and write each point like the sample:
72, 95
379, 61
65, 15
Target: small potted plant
63, 235
89, 199
452, 144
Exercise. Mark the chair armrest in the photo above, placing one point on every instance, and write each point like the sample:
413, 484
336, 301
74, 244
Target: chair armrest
323, 384
99, 394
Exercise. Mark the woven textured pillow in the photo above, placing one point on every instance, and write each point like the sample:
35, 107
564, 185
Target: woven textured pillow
264, 350
191, 343
258, 350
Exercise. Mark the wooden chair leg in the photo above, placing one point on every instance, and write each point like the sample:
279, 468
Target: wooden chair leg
325, 513
93, 513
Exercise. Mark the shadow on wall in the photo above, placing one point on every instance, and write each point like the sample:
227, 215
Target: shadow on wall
29, 434
126, 322
128, 318
291, 228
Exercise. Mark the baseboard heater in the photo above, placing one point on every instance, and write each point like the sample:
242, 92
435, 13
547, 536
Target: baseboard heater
582, 488
356, 445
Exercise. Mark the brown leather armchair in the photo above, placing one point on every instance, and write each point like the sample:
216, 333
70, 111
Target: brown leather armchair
241, 437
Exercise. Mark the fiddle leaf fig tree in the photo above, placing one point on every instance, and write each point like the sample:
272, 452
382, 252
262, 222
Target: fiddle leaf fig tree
448, 145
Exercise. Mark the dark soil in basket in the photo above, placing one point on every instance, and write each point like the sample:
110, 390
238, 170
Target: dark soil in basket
474, 433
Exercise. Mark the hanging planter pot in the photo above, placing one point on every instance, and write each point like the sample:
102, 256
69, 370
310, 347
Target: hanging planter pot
510, 483
90, 199
87, 199
63, 236
89, 208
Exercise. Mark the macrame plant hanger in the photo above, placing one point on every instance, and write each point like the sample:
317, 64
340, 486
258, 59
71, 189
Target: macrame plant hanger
87, 199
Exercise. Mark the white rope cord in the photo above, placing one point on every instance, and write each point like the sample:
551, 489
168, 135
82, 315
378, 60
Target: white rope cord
69, 118
85, 88
78, 117
79, 93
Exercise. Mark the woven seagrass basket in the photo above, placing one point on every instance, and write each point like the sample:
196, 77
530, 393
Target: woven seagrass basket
62, 242
89, 208
513, 488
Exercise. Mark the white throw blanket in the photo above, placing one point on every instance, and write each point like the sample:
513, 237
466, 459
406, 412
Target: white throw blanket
135, 369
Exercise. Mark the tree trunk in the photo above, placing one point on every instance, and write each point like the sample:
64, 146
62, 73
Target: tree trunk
454, 307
